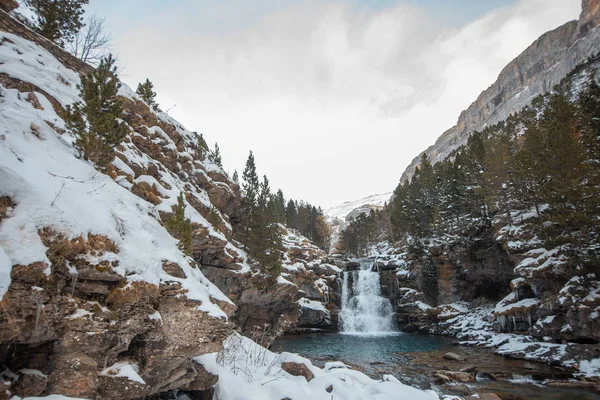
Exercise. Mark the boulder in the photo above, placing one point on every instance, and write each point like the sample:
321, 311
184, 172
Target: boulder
454, 357
453, 376
297, 369
313, 316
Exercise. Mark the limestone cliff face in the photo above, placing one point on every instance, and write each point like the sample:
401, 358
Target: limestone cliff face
541, 66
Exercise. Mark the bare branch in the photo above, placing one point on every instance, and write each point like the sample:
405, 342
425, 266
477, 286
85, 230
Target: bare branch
91, 44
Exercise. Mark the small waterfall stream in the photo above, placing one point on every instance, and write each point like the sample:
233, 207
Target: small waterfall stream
363, 308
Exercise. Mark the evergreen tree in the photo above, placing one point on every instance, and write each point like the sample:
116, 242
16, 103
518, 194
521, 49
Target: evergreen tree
102, 109
215, 156
236, 178
58, 20
146, 92
180, 227
250, 184
260, 233
291, 214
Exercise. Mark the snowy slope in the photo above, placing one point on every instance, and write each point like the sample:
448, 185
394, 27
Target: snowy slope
343, 210
54, 189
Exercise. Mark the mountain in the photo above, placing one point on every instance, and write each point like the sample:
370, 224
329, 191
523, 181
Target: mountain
539, 68
349, 208
339, 216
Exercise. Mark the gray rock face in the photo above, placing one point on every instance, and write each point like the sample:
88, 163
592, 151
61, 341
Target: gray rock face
535, 71
314, 317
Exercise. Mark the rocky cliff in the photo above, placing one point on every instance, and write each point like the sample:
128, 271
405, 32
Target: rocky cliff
97, 300
537, 70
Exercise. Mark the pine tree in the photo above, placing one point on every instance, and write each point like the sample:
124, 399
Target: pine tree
102, 109
180, 227
250, 184
146, 92
215, 156
291, 215
58, 20
236, 178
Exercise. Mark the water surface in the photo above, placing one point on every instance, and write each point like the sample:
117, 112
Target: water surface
363, 348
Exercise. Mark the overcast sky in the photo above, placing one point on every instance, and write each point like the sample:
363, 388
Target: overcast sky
335, 98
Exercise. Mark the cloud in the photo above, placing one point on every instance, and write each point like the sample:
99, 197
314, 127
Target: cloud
334, 100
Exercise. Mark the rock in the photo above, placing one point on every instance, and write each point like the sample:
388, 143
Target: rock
260, 301
500, 376
8, 5
313, 317
121, 388
173, 269
30, 383
578, 385
453, 376
460, 389
329, 389
297, 369
454, 357
483, 396
469, 369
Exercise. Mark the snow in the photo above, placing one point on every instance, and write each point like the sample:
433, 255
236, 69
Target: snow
79, 313
5, 268
341, 211
52, 188
124, 370
590, 368
31, 63
313, 305
250, 372
155, 316
525, 303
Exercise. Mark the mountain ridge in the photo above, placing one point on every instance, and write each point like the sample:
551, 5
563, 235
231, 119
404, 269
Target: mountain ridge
536, 70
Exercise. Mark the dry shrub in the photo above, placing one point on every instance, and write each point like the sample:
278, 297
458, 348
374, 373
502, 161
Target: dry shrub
136, 292
32, 98
60, 248
147, 192
5, 204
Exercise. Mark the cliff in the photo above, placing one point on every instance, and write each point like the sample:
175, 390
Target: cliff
541, 66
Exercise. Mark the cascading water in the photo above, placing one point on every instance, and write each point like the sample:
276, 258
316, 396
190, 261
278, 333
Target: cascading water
363, 308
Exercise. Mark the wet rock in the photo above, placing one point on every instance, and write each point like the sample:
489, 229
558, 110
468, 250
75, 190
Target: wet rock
460, 389
453, 376
454, 357
297, 369
500, 376
469, 369
579, 385
483, 396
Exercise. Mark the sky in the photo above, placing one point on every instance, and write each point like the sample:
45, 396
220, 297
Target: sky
334, 97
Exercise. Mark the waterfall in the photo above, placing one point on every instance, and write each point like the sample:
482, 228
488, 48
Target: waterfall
363, 308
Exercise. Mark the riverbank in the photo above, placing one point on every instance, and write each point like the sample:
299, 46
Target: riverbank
418, 360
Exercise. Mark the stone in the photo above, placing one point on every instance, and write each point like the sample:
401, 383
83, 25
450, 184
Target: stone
297, 369
173, 269
454, 357
329, 389
453, 376
483, 396
470, 369
30, 383
8, 5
